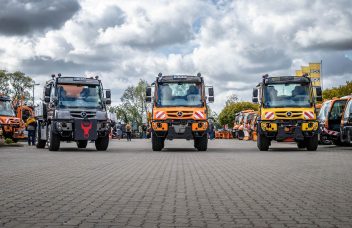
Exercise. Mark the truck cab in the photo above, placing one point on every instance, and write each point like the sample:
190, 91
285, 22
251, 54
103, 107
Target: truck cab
73, 109
287, 111
179, 109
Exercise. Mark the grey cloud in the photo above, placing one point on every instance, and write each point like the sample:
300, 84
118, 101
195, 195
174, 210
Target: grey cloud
24, 17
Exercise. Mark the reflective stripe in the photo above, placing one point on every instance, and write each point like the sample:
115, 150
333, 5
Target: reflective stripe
269, 115
160, 115
308, 115
198, 115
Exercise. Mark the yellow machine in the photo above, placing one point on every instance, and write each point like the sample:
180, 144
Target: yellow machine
287, 111
180, 110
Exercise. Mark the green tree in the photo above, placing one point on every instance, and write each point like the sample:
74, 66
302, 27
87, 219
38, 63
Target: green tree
340, 91
4, 83
227, 115
133, 107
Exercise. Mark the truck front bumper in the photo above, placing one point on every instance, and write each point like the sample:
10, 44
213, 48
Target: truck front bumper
180, 129
280, 130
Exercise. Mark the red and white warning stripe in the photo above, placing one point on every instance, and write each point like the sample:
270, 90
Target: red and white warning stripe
269, 115
308, 115
334, 133
160, 115
199, 115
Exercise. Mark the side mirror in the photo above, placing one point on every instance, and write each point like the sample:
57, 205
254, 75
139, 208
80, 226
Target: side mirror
350, 118
47, 91
148, 94
255, 93
46, 99
108, 102
108, 94
211, 91
148, 91
319, 94
211, 99
255, 96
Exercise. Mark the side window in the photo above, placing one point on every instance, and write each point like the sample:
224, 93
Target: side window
348, 111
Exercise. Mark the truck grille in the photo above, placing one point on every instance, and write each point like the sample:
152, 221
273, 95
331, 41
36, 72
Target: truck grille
78, 114
294, 114
175, 114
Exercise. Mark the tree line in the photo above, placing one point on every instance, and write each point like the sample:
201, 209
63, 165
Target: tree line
15, 85
340, 91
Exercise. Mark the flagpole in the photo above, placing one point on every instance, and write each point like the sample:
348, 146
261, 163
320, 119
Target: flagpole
321, 73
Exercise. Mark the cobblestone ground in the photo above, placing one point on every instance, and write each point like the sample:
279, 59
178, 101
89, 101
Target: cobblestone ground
230, 185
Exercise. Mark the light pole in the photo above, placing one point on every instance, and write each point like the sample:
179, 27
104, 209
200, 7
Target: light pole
33, 85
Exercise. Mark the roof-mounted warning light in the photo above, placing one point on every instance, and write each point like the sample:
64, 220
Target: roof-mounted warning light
59, 75
199, 74
160, 74
305, 75
97, 77
53, 76
265, 76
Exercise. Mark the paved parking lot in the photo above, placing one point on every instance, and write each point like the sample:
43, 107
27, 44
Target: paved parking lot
230, 185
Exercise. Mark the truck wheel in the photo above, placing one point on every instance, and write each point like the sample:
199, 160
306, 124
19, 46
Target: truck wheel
38, 142
312, 143
53, 140
82, 144
337, 142
301, 144
102, 143
263, 142
157, 143
201, 143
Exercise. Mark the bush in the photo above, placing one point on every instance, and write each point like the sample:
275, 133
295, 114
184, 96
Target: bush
340, 91
227, 115
8, 141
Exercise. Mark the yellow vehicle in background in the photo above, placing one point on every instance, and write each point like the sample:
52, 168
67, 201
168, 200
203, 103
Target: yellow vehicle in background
179, 109
287, 111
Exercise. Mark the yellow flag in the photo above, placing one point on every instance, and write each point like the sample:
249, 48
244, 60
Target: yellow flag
305, 70
299, 73
315, 73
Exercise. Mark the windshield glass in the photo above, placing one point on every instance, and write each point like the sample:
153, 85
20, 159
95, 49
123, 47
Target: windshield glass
79, 96
286, 95
179, 94
337, 110
324, 110
6, 109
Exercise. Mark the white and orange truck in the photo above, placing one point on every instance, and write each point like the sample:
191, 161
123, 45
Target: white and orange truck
179, 109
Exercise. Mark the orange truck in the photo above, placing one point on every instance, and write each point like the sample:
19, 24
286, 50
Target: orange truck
11, 126
335, 120
179, 109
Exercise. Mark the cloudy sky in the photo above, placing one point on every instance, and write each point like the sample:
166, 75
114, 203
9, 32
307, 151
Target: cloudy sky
232, 43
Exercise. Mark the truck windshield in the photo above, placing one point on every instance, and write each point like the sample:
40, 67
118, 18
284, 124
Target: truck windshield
6, 109
179, 94
79, 96
287, 95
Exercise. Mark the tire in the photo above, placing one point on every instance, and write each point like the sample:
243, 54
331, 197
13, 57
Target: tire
53, 140
82, 144
40, 144
102, 143
263, 142
312, 143
301, 144
157, 143
201, 143
337, 142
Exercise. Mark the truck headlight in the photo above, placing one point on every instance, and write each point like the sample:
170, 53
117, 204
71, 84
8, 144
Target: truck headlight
63, 114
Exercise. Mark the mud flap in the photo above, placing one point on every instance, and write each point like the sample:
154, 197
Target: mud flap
86, 129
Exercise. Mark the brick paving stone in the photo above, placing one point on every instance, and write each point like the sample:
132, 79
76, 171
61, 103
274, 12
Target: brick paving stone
230, 185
